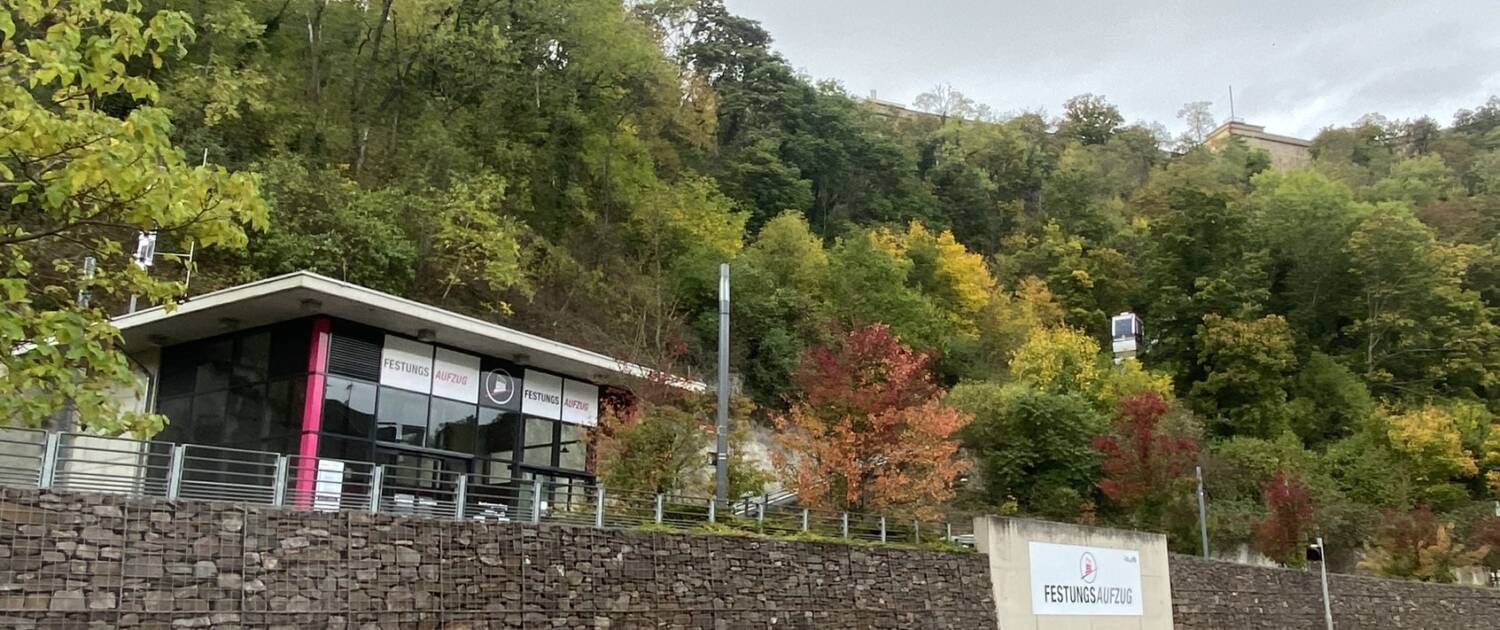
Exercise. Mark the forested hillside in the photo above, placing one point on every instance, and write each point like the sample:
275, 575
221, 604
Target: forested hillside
1324, 341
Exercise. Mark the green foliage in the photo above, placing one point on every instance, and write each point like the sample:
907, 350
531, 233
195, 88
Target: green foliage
1031, 446
1328, 401
80, 181
1417, 326
1248, 365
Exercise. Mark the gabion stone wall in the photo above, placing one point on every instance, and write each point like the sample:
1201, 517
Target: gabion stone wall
1211, 595
103, 561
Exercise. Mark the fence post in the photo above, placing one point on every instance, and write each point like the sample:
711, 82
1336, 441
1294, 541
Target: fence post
713, 510
536, 501
49, 461
278, 492
916, 531
461, 497
845, 527
658, 509
804, 519
599, 507
174, 474
882, 529
948, 532
760, 517
377, 487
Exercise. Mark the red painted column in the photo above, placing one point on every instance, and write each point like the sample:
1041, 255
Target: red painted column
312, 413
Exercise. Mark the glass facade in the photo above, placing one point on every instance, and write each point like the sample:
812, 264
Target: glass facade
240, 390
246, 390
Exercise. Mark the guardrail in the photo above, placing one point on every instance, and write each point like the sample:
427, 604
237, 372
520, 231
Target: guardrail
78, 462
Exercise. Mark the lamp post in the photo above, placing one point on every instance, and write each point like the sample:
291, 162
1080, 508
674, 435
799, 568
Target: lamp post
721, 453
1323, 571
1202, 514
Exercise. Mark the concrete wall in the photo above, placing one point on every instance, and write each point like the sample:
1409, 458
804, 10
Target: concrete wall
1006, 543
1211, 595
106, 561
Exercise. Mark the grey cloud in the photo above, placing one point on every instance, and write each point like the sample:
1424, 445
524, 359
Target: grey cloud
1296, 66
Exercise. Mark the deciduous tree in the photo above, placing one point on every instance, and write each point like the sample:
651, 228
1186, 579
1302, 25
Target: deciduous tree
1283, 535
76, 181
1147, 469
868, 429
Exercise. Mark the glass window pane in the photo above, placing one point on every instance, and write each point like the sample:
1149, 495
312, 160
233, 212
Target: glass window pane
539, 441
345, 449
179, 412
289, 347
252, 359
284, 406
451, 425
401, 417
208, 419
213, 366
573, 449
177, 371
497, 434
493, 472
348, 407
245, 417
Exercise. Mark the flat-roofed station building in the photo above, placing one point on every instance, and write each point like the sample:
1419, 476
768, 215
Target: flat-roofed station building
321, 369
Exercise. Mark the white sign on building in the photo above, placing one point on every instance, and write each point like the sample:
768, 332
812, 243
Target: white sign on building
542, 395
1073, 580
456, 375
406, 364
580, 403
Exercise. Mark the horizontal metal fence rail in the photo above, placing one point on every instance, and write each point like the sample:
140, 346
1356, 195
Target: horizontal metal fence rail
79, 462
21, 455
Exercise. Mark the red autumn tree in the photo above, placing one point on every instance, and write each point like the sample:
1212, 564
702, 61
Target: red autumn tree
1283, 535
1147, 470
1486, 534
868, 429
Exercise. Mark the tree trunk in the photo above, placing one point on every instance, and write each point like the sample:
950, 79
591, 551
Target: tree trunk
357, 93
315, 52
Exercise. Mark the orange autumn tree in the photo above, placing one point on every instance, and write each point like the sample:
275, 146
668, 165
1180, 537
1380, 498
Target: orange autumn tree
868, 430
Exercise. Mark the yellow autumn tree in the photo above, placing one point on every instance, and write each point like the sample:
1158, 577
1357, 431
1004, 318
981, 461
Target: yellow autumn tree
1429, 440
1058, 359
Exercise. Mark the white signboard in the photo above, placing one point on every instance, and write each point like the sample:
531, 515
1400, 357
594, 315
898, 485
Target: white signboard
456, 375
406, 364
330, 485
580, 403
1071, 580
541, 395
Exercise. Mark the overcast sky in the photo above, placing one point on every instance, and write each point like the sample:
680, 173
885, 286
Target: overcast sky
1296, 65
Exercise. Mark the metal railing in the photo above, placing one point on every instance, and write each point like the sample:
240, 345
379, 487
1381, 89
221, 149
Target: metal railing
78, 462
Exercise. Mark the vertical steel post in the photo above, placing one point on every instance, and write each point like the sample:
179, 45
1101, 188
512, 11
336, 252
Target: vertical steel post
377, 488
174, 474
658, 509
1323, 569
804, 519
916, 531
461, 497
948, 532
48, 474
844, 528
882, 529
721, 454
536, 501
599, 507
1202, 513
713, 511
278, 493
760, 516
